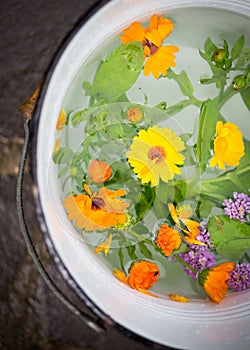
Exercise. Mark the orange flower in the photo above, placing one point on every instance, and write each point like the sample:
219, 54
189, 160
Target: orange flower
160, 58
96, 211
99, 171
142, 275
61, 120
178, 298
105, 245
168, 239
182, 221
214, 281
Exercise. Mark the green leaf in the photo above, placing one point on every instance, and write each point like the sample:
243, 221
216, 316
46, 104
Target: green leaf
243, 59
210, 47
207, 125
131, 252
183, 81
245, 95
230, 237
238, 47
63, 156
205, 207
119, 72
121, 258
179, 106
63, 171
145, 203
145, 251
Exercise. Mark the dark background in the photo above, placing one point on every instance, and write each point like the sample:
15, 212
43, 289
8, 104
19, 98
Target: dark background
31, 315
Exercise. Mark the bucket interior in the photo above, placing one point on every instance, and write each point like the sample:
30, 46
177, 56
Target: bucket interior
193, 325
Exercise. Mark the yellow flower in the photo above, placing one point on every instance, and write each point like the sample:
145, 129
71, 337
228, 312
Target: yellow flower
214, 281
96, 211
99, 171
178, 298
142, 275
168, 239
159, 58
154, 154
61, 120
228, 145
105, 245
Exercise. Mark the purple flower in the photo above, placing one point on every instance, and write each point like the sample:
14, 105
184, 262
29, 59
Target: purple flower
199, 258
239, 277
238, 207
204, 235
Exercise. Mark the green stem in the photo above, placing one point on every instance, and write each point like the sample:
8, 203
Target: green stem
141, 238
225, 177
230, 91
180, 260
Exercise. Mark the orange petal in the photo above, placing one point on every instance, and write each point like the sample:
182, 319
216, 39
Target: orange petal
104, 246
121, 276
178, 298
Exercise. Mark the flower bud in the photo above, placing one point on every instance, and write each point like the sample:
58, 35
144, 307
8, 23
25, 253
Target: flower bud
220, 55
134, 114
239, 82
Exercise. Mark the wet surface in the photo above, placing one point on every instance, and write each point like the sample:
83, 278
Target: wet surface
32, 318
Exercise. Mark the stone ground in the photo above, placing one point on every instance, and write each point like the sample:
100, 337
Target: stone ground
32, 318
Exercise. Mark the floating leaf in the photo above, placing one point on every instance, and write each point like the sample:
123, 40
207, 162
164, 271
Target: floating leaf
230, 237
119, 72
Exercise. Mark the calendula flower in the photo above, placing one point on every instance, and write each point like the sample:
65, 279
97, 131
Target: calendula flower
168, 239
178, 298
104, 246
228, 145
154, 155
184, 223
214, 281
61, 120
99, 171
237, 207
142, 275
159, 58
96, 211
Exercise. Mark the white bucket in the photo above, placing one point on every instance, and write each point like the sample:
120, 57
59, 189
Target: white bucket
197, 325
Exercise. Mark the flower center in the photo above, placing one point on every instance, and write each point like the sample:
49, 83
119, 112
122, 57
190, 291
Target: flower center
152, 47
157, 153
97, 203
